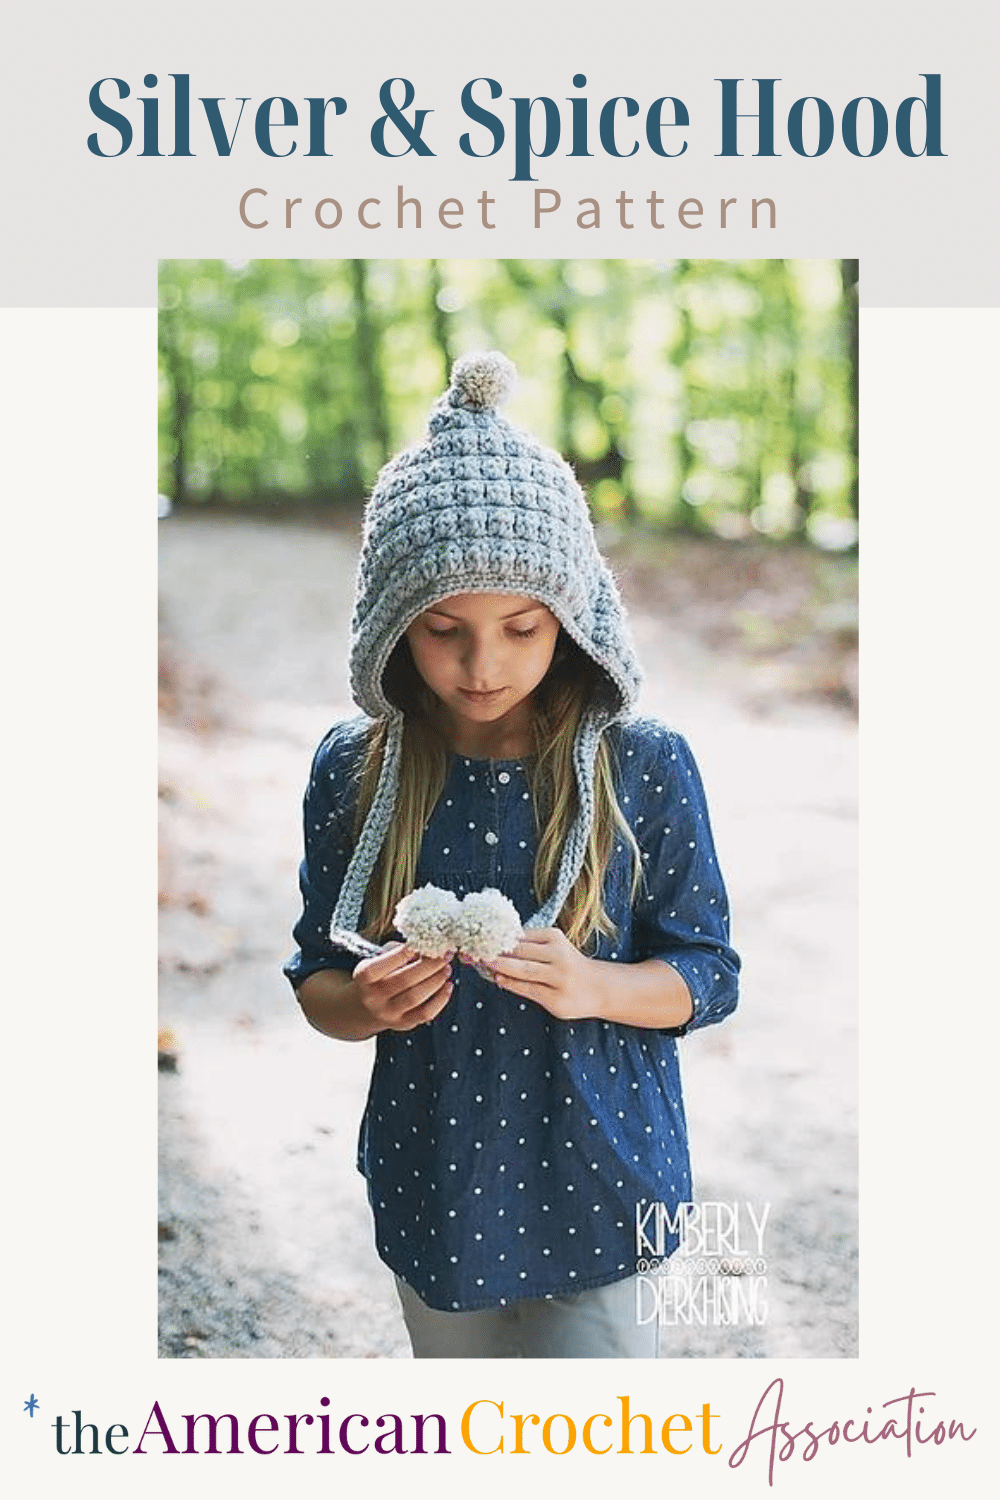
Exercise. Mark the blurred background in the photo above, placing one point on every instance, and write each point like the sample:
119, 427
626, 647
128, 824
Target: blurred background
710, 410
716, 396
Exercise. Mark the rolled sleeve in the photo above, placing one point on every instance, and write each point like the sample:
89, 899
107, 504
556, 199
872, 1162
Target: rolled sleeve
682, 911
328, 816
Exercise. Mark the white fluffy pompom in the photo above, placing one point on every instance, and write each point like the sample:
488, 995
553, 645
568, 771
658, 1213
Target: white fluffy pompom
487, 925
434, 922
426, 918
482, 381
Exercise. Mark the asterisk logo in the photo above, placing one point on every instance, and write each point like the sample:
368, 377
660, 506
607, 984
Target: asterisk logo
30, 1405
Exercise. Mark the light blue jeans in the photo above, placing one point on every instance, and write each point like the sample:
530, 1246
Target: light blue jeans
599, 1323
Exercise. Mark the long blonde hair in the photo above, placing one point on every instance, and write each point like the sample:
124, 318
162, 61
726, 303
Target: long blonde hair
559, 702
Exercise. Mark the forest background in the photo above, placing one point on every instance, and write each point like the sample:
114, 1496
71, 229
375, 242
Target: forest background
712, 396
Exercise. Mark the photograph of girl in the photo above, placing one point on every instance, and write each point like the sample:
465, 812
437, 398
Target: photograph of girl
525, 1099
511, 895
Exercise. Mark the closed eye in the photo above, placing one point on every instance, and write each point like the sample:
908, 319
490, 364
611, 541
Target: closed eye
440, 634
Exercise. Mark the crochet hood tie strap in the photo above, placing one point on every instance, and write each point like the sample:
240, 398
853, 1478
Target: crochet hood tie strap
347, 915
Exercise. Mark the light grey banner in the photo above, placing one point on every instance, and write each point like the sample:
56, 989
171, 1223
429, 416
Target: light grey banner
86, 229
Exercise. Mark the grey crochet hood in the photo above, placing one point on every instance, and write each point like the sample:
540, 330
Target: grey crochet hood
480, 507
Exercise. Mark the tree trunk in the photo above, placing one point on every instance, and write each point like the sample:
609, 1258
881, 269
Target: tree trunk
440, 325
369, 367
849, 281
181, 406
687, 517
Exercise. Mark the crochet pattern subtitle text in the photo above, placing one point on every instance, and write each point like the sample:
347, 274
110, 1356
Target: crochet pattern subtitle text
259, 209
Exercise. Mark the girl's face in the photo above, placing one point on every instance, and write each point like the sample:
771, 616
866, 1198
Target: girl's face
483, 655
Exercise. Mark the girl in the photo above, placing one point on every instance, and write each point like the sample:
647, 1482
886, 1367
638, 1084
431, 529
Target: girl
525, 1114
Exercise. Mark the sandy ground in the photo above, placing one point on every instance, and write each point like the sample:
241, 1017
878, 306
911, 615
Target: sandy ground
265, 1239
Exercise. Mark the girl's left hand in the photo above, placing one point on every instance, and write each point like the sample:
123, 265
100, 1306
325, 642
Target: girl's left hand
546, 968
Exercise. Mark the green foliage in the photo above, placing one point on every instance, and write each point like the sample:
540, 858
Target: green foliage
718, 396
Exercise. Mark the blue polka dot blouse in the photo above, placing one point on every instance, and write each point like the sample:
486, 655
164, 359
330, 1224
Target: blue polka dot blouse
505, 1151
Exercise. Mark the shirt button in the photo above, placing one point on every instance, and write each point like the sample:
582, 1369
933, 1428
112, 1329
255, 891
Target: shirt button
491, 838
504, 777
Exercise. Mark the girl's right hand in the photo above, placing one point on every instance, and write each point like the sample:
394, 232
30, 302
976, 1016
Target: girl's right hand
399, 990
